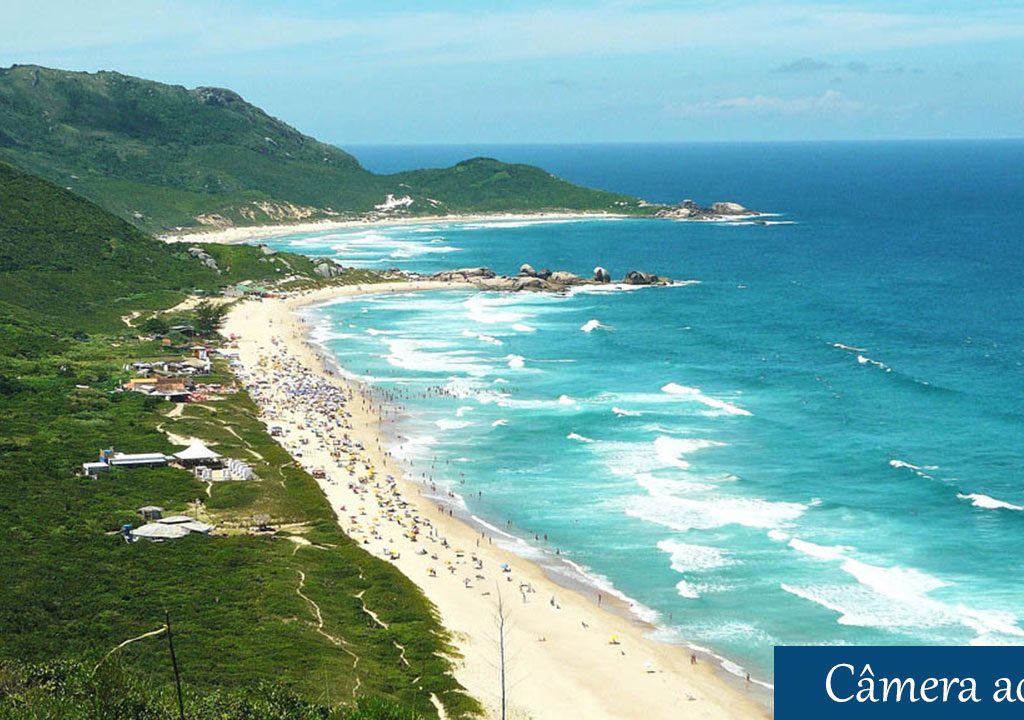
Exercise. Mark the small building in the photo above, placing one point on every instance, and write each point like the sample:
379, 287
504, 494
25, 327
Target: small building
92, 469
151, 512
199, 365
197, 454
137, 460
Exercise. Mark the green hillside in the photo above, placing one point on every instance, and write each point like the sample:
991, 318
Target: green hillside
248, 644
65, 260
163, 156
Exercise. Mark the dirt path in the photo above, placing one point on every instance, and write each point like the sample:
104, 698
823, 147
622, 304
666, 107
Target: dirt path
337, 641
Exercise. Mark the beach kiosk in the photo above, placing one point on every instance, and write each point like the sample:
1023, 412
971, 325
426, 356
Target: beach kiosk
197, 454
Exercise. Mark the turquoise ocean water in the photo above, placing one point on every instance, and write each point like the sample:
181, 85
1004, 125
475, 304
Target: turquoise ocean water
819, 441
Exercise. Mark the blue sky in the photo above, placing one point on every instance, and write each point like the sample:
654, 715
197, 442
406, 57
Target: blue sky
475, 71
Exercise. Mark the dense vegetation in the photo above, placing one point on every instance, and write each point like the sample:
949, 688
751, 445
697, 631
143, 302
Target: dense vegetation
72, 589
162, 156
74, 691
63, 259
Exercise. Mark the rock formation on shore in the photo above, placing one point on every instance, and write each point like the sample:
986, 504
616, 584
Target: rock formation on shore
543, 280
689, 210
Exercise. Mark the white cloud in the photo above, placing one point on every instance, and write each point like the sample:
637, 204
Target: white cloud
830, 102
211, 28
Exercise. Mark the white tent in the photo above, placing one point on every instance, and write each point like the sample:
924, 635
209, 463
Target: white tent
197, 453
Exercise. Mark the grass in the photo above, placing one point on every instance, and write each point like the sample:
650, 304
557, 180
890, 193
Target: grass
72, 588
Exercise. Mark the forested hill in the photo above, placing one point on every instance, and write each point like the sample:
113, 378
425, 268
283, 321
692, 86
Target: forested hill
163, 156
67, 263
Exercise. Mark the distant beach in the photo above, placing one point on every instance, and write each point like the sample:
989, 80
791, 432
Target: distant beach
572, 658
242, 234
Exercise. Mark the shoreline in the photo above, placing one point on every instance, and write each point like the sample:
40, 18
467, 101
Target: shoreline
242, 234
636, 676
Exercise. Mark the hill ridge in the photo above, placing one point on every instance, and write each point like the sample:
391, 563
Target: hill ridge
167, 157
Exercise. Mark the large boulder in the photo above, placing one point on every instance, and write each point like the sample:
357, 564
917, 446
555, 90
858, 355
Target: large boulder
544, 274
464, 274
531, 283
729, 208
526, 270
561, 277
601, 275
635, 277
327, 268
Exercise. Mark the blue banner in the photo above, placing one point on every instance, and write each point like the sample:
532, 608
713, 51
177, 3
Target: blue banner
899, 682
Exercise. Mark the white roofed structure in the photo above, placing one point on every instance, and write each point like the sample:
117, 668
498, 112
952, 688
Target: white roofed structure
170, 528
137, 459
155, 532
197, 454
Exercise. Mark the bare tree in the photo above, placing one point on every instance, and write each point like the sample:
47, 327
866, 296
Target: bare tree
502, 622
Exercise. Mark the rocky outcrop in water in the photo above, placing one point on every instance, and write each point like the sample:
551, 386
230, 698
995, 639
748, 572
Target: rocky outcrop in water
465, 275
635, 277
539, 281
689, 210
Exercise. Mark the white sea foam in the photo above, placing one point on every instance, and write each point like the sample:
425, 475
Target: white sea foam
491, 310
987, 502
626, 413
918, 470
851, 348
865, 360
692, 393
522, 327
427, 355
489, 339
512, 224
602, 583
446, 424
413, 446
501, 422
688, 558
687, 590
565, 400
375, 332
671, 486
895, 597
463, 410
672, 451
592, 325
683, 514
578, 437
820, 552
515, 361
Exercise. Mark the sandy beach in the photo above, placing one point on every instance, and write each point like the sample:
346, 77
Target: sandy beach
230, 235
568, 656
